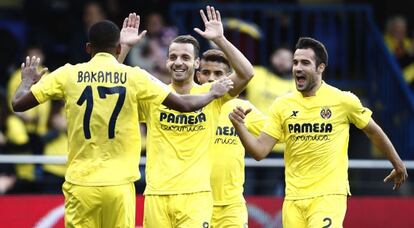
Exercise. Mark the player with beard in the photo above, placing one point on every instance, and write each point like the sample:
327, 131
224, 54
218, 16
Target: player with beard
178, 191
315, 123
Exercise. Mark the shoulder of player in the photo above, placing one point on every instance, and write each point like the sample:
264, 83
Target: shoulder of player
339, 94
238, 102
204, 88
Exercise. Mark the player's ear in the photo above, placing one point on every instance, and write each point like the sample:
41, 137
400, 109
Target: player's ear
88, 48
321, 68
198, 75
197, 63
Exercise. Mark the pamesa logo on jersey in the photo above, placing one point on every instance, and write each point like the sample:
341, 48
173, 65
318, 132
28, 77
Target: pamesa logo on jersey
326, 113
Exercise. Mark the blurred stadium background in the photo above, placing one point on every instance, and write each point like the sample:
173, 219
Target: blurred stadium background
355, 33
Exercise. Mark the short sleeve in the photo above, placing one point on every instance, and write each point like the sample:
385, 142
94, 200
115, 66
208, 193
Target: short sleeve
151, 88
255, 120
51, 86
273, 127
356, 113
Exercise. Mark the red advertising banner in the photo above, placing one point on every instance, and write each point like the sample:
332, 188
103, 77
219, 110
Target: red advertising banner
47, 211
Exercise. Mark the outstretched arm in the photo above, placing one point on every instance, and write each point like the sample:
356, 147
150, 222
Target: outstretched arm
23, 98
258, 147
188, 103
214, 32
129, 35
381, 141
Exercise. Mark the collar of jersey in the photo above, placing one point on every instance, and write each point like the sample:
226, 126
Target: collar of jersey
103, 56
319, 92
194, 86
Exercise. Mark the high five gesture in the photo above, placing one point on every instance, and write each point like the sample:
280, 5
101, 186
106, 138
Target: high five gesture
212, 23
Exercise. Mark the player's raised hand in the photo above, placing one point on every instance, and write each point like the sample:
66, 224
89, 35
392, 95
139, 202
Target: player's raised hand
398, 175
221, 86
238, 115
212, 23
130, 30
30, 71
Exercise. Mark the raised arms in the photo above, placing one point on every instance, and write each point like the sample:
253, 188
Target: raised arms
23, 98
243, 69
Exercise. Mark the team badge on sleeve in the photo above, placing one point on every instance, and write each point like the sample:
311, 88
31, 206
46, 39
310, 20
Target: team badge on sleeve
326, 113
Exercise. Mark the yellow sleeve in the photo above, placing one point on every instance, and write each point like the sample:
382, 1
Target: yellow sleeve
255, 120
51, 86
151, 88
273, 127
357, 114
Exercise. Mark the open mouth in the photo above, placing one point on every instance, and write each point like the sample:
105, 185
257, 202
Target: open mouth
300, 79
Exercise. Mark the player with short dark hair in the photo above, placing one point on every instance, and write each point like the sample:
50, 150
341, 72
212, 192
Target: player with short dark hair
314, 122
101, 103
178, 191
227, 152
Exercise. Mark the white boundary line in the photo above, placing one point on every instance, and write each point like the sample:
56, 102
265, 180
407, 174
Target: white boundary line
268, 162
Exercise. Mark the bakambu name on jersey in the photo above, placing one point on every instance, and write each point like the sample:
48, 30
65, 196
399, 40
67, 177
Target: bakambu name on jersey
102, 77
182, 118
310, 127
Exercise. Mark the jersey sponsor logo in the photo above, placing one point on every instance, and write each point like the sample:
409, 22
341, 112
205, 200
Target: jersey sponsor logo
326, 113
179, 128
182, 118
296, 138
304, 128
226, 130
102, 77
183, 122
310, 128
226, 141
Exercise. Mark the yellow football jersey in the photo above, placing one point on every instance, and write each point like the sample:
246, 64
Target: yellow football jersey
316, 130
177, 146
265, 87
101, 105
227, 153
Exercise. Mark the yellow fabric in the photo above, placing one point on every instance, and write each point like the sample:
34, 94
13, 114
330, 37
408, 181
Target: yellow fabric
265, 87
316, 130
39, 114
227, 154
177, 146
262, 91
106, 150
105, 206
181, 210
16, 134
324, 211
233, 215
58, 146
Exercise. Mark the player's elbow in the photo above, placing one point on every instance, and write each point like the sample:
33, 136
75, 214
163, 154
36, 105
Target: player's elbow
256, 156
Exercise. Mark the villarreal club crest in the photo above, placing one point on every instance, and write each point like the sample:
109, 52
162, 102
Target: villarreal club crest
326, 113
